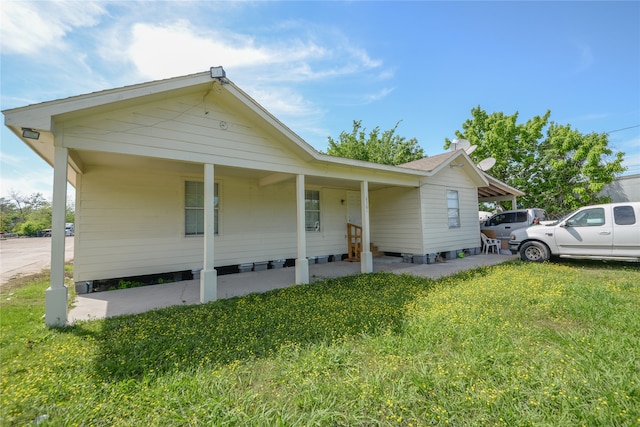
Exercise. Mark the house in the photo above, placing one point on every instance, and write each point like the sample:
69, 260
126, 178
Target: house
191, 173
623, 189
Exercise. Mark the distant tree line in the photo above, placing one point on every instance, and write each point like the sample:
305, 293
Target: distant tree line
27, 215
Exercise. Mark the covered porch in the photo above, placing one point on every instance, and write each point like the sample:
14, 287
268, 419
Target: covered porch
99, 305
277, 199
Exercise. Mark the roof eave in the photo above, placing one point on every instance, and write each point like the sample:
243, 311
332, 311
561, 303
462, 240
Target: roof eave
493, 181
39, 116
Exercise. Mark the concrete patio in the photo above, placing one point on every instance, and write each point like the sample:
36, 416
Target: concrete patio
98, 305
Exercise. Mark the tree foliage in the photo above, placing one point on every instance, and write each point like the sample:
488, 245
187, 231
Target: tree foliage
27, 215
384, 148
557, 167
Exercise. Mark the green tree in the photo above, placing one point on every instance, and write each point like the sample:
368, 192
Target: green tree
9, 215
26, 215
559, 169
384, 148
575, 167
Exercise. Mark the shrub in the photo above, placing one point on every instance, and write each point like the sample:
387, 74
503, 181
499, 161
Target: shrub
30, 228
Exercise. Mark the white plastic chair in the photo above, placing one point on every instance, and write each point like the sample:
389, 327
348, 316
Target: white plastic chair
488, 243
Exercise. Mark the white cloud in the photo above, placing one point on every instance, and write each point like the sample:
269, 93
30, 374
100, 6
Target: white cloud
379, 95
283, 101
585, 57
161, 51
29, 27
168, 51
36, 181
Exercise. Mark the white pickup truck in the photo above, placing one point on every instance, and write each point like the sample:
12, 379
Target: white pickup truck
609, 231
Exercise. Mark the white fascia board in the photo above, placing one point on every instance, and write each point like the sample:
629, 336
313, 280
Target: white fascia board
40, 116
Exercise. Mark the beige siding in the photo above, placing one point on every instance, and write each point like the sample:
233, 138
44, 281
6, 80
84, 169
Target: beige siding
438, 237
132, 223
395, 220
189, 128
332, 238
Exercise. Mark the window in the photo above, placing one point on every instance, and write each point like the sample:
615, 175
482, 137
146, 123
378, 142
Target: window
624, 215
453, 209
194, 208
312, 210
587, 218
521, 217
505, 218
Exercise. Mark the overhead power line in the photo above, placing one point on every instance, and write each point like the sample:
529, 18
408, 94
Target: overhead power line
618, 130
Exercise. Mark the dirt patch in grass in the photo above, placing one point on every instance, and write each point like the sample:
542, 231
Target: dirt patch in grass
20, 281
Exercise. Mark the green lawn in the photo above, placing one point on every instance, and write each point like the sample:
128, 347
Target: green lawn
554, 344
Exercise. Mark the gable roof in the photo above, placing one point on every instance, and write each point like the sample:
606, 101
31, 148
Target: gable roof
495, 190
43, 116
430, 163
458, 158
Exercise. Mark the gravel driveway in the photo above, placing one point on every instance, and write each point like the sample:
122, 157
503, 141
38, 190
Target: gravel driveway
29, 255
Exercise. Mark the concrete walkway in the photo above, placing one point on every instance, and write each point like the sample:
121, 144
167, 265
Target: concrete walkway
138, 300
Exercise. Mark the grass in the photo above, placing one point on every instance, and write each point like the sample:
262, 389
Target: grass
514, 345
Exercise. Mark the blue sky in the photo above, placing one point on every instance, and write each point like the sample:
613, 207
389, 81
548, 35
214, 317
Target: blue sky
318, 66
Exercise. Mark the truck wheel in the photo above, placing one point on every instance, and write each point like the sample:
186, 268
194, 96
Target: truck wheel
534, 252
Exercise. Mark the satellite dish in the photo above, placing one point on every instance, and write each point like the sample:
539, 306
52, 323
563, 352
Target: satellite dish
460, 144
471, 149
486, 164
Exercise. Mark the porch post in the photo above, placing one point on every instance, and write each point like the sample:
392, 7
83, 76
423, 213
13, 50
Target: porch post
513, 202
56, 295
302, 263
208, 275
366, 258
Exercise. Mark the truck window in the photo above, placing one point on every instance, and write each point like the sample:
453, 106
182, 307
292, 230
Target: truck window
505, 218
624, 215
541, 214
587, 218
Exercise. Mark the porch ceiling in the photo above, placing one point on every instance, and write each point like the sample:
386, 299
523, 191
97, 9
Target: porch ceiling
497, 191
491, 192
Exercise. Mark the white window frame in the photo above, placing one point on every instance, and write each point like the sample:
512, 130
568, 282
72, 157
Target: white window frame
453, 208
199, 206
309, 210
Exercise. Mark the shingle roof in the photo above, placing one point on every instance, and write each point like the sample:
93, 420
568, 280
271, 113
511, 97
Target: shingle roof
429, 163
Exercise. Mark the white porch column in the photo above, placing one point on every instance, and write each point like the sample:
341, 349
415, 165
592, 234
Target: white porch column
302, 263
513, 203
366, 258
56, 294
209, 275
